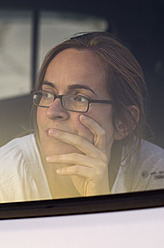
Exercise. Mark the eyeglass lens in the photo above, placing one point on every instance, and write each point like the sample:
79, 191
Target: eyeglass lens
69, 102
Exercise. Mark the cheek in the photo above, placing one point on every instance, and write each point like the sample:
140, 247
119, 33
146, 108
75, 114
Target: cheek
40, 116
108, 127
109, 130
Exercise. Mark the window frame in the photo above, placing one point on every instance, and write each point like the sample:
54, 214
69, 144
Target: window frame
70, 206
83, 205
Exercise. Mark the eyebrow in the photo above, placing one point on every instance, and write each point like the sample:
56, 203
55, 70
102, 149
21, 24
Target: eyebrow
80, 86
48, 83
70, 87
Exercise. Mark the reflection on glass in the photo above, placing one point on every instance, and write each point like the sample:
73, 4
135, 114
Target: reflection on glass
88, 134
15, 52
55, 27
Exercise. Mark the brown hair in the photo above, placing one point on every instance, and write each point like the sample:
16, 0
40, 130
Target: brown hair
125, 84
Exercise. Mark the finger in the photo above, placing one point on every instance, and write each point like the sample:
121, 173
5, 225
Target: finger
82, 171
96, 129
75, 158
79, 142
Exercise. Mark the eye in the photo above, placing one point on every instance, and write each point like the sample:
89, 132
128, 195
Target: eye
79, 98
47, 95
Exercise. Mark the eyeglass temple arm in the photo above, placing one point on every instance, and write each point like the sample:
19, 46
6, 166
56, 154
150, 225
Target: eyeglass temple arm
101, 101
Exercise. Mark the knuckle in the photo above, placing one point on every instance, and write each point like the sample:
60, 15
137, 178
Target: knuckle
76, 156
72, 156
102, 132
103, 156
99, 173
76, 169
103, 166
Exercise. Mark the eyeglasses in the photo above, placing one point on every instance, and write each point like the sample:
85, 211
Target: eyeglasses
75, 103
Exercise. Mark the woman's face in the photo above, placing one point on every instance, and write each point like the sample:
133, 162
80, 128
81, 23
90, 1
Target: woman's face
74, 72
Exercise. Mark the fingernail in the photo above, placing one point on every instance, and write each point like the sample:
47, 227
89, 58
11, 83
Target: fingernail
52, 131
83, 117
48, 158
59, 171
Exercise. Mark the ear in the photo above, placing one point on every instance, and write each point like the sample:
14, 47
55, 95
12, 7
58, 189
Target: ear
122, 130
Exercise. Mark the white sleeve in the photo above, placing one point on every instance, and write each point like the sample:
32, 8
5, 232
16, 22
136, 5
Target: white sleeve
13, 174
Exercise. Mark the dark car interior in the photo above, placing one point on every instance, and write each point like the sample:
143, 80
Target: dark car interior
139, 24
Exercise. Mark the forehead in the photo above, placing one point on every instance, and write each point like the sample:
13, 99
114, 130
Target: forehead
73, 66
73, 59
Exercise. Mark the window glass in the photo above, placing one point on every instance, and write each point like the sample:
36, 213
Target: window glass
55, 27
15, 53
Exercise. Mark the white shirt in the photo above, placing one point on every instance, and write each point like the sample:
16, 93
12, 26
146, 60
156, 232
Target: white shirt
145, 172
22, 175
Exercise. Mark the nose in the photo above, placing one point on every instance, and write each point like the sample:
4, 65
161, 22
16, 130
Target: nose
56, 111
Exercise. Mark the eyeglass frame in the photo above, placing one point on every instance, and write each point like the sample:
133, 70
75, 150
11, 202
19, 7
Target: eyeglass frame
61, 96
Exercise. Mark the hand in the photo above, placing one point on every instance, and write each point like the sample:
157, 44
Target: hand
88, 171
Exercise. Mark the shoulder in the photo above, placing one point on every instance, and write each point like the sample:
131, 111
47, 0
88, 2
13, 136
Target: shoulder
17, 147
151, 153
16, 155
144, 171
149, 167
19, 163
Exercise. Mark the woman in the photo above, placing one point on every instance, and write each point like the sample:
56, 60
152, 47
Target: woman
89, 116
